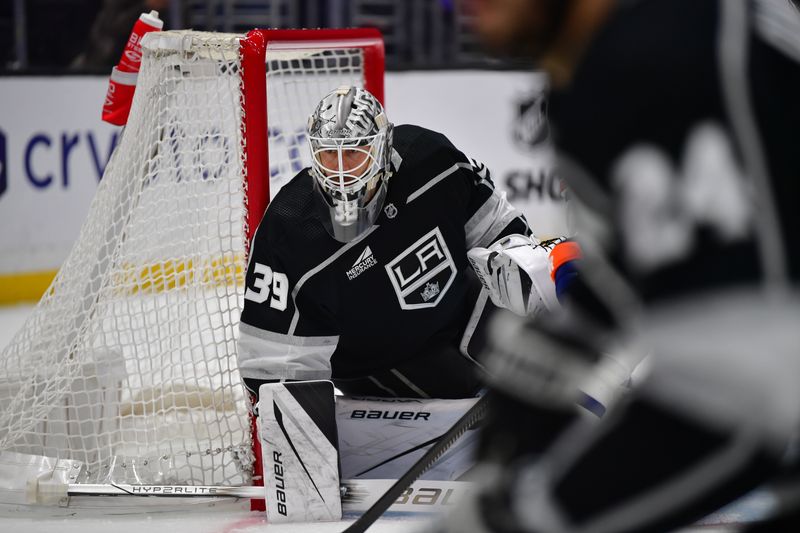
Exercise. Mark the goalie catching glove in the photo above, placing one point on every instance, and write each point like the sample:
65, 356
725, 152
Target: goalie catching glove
516, 272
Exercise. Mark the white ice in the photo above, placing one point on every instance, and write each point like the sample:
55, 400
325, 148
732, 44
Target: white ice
222, 519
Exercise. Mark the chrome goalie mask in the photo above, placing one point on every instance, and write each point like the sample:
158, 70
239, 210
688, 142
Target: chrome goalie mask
350, 139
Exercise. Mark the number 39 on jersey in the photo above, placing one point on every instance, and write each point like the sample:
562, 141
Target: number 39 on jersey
266, 283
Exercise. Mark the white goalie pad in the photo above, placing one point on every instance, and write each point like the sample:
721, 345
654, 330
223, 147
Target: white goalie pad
380, 438
297, 430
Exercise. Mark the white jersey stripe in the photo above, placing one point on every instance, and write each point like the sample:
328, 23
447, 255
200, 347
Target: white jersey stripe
442, 175
381, 386
268, 355
293, 340
489, 220
407, 382
733, 53
477, 312
778, 23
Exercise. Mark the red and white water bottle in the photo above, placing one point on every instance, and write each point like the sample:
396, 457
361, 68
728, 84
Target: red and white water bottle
117, 105
131, 58
122, 84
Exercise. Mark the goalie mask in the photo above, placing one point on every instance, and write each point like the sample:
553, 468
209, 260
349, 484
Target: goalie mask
350, 140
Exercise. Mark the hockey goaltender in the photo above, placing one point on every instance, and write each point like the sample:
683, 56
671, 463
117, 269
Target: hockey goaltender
363, 272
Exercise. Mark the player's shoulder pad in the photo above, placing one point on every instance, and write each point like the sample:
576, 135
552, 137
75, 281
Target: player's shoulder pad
425, 154
421, 147
292, 204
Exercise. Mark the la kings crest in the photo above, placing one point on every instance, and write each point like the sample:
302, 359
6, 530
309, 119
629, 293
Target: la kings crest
423, 272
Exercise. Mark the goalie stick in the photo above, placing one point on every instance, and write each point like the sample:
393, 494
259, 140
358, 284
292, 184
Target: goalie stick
470, 418
359, 494
50, 492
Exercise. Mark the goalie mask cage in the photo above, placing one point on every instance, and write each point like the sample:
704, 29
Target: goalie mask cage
127, 366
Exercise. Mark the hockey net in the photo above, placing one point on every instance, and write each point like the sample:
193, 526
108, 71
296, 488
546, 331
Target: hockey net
128, 363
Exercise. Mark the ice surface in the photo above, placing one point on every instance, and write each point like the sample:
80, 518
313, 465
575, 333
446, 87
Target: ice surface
206, 522
11, 319
128, 517
234, 518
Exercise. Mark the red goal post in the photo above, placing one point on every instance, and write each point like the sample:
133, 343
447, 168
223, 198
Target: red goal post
255, 51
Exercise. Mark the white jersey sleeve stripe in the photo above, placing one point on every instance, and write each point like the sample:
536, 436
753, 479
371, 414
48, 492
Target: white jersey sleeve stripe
483, 228
268, 355
442, 175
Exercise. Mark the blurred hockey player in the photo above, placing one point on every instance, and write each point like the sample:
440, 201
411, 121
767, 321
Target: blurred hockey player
676, 124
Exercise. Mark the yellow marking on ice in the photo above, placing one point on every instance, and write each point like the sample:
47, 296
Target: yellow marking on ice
131, 279
180, 273
24, 286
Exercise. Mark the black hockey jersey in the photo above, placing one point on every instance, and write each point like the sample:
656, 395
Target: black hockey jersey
317, 308
681, 139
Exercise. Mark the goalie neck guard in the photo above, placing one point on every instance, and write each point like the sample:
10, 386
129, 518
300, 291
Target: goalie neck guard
350, 139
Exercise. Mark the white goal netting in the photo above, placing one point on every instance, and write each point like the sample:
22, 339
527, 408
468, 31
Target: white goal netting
128, 363
297, 80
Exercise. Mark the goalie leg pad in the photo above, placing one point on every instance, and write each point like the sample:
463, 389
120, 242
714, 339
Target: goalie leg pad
297, 430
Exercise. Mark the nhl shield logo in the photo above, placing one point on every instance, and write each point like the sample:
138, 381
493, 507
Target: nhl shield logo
423, 272
3, 167
531, 128
390, 210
